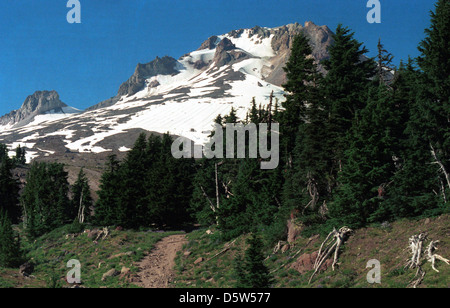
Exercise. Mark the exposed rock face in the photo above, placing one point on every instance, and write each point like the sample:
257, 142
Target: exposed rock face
159, 66
321, 38
228, 71
305, 263
38, 103
209, 43
227, 53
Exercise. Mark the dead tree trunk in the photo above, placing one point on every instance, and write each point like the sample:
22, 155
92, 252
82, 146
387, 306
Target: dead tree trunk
432, 257
331, 245
313, 192
217, 187
81, 210
416, 244
441, 166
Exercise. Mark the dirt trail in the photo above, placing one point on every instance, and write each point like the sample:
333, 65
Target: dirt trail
156, 269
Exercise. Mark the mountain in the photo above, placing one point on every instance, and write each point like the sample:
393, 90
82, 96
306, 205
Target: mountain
38, 107
181, 96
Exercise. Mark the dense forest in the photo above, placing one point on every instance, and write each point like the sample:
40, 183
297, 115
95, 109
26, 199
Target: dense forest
365, 143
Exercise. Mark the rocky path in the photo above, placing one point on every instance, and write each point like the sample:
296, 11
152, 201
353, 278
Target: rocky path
156, 269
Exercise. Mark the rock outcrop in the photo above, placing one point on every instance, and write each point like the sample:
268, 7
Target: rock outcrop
210, 43
159, 66
227, 53
38, 103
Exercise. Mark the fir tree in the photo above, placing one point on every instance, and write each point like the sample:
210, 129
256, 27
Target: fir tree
384, 61
132, 202
369, 166
301, 74
107, 205
10, 253
9, 187
345, 87
434, 96
45, 198
251, 272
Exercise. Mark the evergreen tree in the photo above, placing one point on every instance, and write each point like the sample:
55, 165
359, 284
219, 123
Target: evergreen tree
9, 187
410, 193
384, 61
301, 75
307, 183
169, 187
251, 272
232, 117
45, 198
369, 164
345, 89
20, 158
132, 201
10, 253
107, 205
434, 96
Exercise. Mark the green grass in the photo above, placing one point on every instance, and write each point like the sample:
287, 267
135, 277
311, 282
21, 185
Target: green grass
51, 252
388, 245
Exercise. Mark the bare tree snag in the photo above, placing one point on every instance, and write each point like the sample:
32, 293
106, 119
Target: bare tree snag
416, 244
432, 257
211, 204
81, 209
441, 165
420, 275
225, 249
269, 120
332, 244
228, 192
217, 187
313, 192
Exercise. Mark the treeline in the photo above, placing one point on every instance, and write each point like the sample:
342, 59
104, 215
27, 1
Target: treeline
364, 143
149, 188
46, 202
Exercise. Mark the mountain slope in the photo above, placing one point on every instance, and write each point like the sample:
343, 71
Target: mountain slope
41, 103
181, 96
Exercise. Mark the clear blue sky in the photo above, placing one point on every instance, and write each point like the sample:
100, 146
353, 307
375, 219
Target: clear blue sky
87, 62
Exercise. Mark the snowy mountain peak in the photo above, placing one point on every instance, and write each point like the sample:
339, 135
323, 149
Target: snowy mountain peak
38, 104
182, 97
